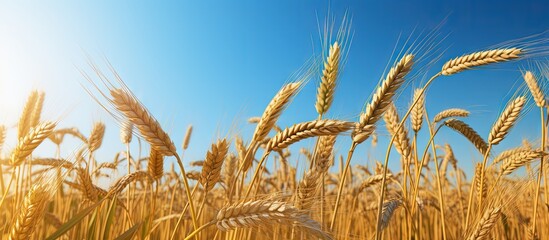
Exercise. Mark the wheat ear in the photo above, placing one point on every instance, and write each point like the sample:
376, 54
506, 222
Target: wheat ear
211, 171
126, 131
187, 138
265, 214
325, 92
30, 213
506, 120
469, 133
24, 123
381, 99
486, 223
325, 153
537, 93
478, 59
304, 130
402, 143
307, 189
27, 144
274, 109
149, 128
372, 180
96, 137
155, 165
450, 113
519, 159
121, 183
418, 110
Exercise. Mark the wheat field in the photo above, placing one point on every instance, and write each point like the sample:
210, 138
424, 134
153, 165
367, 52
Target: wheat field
235, 195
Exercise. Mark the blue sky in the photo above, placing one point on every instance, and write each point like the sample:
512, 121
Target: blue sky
213, 64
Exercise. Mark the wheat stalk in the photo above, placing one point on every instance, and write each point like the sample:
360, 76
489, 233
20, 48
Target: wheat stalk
304, 130
506, 120
381, 99
478, 59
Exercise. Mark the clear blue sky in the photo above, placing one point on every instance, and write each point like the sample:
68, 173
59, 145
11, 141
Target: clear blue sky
213, 64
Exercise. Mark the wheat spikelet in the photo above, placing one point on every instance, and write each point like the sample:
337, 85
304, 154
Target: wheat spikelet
381, 99
149, 128
187, 138
23, 126
96, 137
506, 121
37, 110
478, 59
211, 170
325, 153
265, 214
126, 131
402, 143
121, 183
486, 223
325, 92
273, 110
537, 93
27, 144
155, 165
418, 110
307, 190
469, 133
372, 180
30, 213
304, 130
519, 159
448, 113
